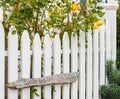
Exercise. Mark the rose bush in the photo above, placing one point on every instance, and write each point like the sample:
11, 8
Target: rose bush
51, 16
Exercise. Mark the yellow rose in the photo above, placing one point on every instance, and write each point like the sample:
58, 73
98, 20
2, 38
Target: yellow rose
74, 7
95, 26
99, 23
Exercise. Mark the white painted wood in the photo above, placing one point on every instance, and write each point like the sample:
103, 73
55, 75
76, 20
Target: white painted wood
108, 41
47, 64
1, 15
36, 68
113, 35
57, 65
25, 63
2, 63
12, 63
82, 66
66, 64
89, 67
108, 44
102, 55
111, 18
111, 1
74, 66
96, 66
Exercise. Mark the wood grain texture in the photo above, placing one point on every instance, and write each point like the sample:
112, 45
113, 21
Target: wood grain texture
65, 78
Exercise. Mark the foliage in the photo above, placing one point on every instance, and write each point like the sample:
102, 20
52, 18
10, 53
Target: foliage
118, 59
39, 16
112, 90
24, 15
118, 27
33, 92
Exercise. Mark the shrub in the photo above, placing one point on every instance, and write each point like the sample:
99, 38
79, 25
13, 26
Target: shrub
112, 90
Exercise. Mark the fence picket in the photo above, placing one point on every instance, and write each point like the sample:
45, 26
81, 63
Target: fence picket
2, 63
57, 66
1, 15
12, 63
108, 44
66, 64
36, 68
25, 63
47, 64
89, 67
96, 66
102, 55
108, 39
82, 66
74, 65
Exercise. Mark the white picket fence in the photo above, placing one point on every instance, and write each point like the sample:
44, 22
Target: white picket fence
48, 58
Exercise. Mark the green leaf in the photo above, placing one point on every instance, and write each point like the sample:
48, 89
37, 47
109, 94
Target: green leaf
37, 94
14, 32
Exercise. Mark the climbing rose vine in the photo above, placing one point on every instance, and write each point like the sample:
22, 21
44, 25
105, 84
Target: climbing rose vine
51, 16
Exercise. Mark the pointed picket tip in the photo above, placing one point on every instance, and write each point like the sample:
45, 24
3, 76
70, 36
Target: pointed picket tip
73, 36
47, 38
65, 36
36, 44
74, 42
36, 36
57, 39
25, 32
25, 35
47, 41
57, 44
37, 39
65, 40
82, 38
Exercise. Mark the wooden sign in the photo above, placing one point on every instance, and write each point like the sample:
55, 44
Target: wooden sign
48, 80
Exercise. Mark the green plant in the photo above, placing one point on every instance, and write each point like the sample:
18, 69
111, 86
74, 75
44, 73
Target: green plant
118, 27
118, 59
112, 90
43, 16
33, 92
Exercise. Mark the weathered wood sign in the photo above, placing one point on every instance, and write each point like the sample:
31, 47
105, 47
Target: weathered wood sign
48, 80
